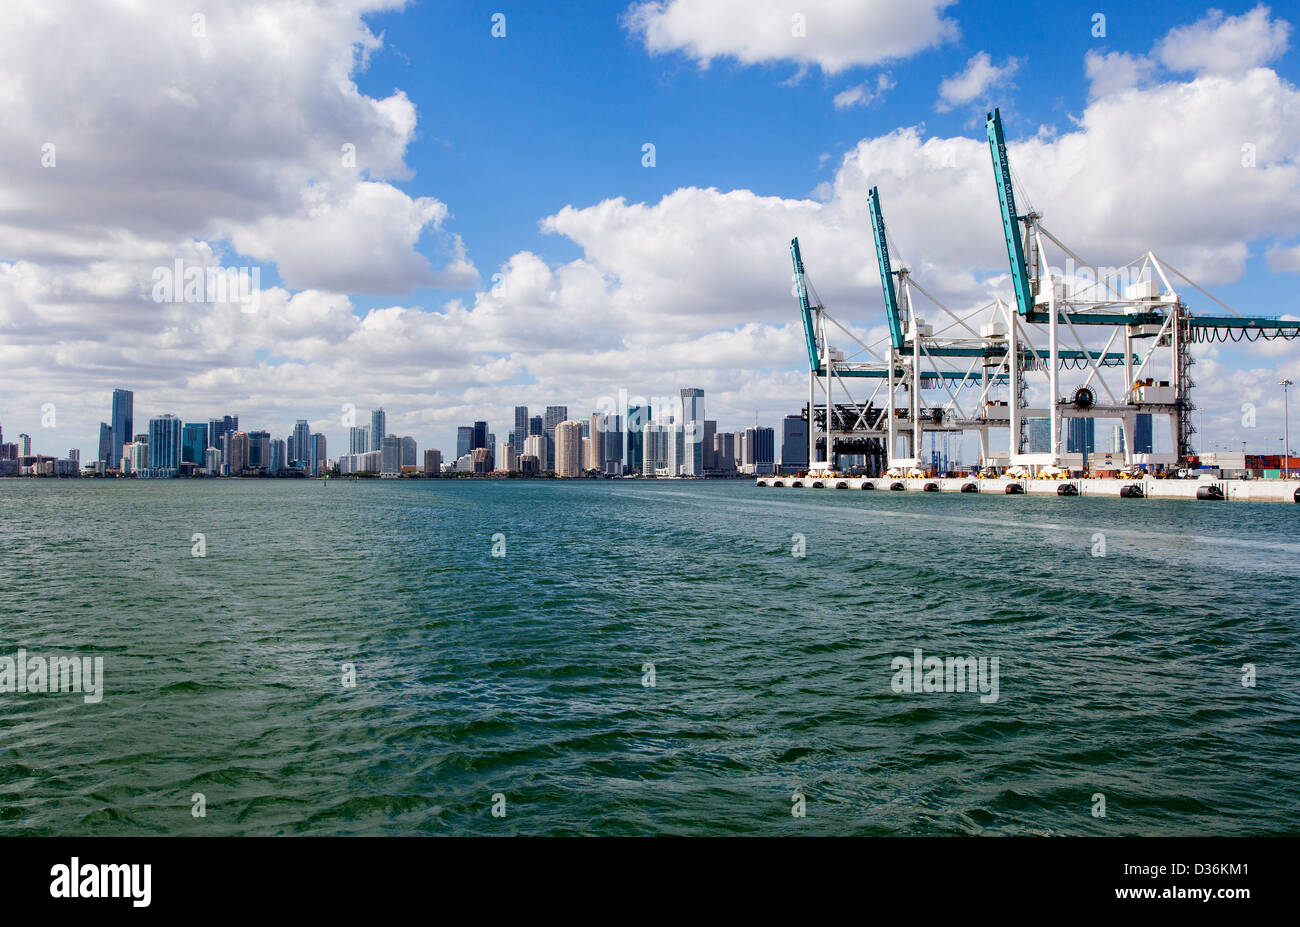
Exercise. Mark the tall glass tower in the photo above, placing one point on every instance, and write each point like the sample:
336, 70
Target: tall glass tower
165, 442
378, 428
123, 422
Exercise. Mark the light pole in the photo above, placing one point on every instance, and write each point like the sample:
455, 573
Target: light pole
1286, 425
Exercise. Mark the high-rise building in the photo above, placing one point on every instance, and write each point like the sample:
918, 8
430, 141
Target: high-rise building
464, 440
507, 460
409, 451
218, 428
637, 417
554, 415
595, 455
318, 461
25, 444
710, 432
432, 462
614, 445
536, 426
278, 461
74, 454
236, 455
724, 451
692, 430
1142, 436
480, 437
794, 444
535, 446
653, 447
300, 445
1040, 435
391, 456
760, 446
521, 426
568, 448
378, 429
165, 442
358, 440
212, 460
194, 441
259, 450
106, 445
1080, 436
123, 422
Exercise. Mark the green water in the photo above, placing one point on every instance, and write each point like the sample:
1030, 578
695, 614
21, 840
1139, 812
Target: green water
525, 676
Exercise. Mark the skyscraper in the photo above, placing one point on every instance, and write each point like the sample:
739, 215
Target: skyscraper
614, 444
218, 429
1040, 435
278, 459
692, 431
1080, 436
409, 451
568, 449
637, 417
464, 440
432, 462
318, 460
391, 456
794, 444
259, 450
194, 441
300, 444
710, 432
358, 440
123, 422
760, 444
165, 442
521, 427
106, 444
554, 415
378, 428
1142, 443
536, 427
480, 437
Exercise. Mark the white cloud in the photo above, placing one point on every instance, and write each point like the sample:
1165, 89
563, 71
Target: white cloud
830, 34
1284, 258
237, 133
863, 94
1115, 71
1225, 45
980, 76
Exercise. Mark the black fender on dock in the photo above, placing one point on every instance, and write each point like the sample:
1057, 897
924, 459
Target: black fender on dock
969, 487
1067, 489
930, 487
819, 485
1209, 492
897, 487
841, 485
1296, 496
867, 484
797, 484
1131, 491
1014, 489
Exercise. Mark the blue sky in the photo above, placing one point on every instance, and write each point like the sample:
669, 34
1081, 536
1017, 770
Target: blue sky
556, 112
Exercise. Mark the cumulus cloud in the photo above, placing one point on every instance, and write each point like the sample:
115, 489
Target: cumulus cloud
1219, 44
979, 77
863, 94
830, 34
240, 123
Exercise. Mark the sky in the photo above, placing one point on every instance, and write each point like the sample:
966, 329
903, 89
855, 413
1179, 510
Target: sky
451, 208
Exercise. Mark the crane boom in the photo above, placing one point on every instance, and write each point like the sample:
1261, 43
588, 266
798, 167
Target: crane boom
805, 307
1010, 221
886, 273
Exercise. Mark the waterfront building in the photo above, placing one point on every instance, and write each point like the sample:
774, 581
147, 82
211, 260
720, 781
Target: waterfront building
259, 450
318, 460
554, 415
1040, 435
279, 458
535, 446
25, 445
300, 445
1142, 435
194, 441
637, 417
432, 462
536, 426
692, 432
378, 428
760, 445
358, 439
614, 444
212, 460
236, 453
529, 465
794, 444
391, 456
1080, 436
710, 433
165, 442
521, 426
106, 445
568, 448
123, 418
219, 428
409, 451
508, 457
480, 436
464, 440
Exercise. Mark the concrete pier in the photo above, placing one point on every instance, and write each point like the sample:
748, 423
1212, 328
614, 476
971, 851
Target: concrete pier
1147, 488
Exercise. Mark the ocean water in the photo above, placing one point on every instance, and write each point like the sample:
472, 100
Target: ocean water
522, 682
